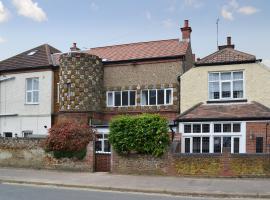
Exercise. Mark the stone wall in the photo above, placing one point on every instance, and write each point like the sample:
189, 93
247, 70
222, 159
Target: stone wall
204, 165
28, 153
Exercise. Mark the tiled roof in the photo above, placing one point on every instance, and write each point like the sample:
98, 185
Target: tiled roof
37, 57
140, 50
236, 111
226, 56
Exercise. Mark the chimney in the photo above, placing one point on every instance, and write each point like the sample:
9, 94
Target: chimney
74, 47
228, 45
186, 31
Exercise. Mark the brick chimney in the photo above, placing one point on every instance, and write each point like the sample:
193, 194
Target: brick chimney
74, 47
186, 31
228, 45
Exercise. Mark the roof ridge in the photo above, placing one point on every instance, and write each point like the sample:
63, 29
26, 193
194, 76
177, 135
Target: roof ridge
133, 43
248, 54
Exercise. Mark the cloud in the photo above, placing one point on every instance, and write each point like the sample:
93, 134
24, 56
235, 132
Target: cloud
94, 6
248, 10
193, 3
30, 9
226, 13
148, 15
2, 40
168, 23
4, 13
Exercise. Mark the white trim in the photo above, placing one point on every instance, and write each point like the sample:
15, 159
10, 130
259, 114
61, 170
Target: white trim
113, 98
165, 95
32, 90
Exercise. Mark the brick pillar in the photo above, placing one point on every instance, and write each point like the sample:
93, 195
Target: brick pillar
90, 155
226, 162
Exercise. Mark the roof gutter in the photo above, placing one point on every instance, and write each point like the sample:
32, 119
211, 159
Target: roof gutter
223, 119
27, 68
227, 63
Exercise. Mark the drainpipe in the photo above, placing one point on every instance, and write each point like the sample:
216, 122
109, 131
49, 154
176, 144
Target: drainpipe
266, 137
179, 93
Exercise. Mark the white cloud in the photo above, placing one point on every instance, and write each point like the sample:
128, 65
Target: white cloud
4, 13
30, 9
226, 13
193, 3
247, 10
94, 6
2, 40
168, 23
148, 15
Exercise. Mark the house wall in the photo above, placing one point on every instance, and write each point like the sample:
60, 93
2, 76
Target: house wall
17, 116
194, 83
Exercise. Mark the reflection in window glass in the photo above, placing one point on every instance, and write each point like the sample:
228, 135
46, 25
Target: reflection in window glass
217, 144
144, 97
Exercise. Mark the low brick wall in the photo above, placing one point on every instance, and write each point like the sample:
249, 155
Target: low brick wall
204, 165
28, 153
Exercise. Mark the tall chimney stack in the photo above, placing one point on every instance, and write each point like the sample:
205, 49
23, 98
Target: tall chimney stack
186, 31
74, 47
228, 45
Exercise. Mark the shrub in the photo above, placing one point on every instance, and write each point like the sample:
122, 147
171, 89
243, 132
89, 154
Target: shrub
143, 134
68, 139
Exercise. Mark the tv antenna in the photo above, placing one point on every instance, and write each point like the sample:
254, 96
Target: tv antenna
217, 30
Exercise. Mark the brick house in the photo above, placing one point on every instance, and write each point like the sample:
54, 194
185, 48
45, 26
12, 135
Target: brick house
227, 106
26, 85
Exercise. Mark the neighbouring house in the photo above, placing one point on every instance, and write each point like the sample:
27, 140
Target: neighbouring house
225, 104
26, 98
100, 83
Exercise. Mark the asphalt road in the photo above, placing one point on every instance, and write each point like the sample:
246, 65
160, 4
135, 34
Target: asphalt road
31, 192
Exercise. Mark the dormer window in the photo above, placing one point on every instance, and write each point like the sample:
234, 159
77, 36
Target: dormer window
226, 85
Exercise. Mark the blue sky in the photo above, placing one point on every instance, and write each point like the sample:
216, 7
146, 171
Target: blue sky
25, 24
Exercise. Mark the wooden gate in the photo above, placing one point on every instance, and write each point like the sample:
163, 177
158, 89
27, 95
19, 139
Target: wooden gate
103, 162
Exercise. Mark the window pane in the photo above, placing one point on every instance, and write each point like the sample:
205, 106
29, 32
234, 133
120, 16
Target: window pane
227, 128
196, 128
213, 76
214, 90
196, 145
187, 128
8, 134
132, 98
125, 98
226, 89
98, 146
206, 128
29, 97
187, 145
35, 96
29, 84
35, 84
236, 127
227, 143
217, 128
259, 144
217, 144
144, 97
152, 97
226, 76
238, 89
168, 96
107, 147
110, 98
237, 75
117, 98
160, 97
236, 145
99, 136
205, 144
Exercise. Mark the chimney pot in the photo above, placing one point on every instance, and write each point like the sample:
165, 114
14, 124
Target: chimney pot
186, 23
186, 31
229, 40
74, 47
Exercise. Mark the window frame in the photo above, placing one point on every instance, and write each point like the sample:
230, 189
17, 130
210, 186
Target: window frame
32, 90
121, 94
102, 140
164, 96
220, 82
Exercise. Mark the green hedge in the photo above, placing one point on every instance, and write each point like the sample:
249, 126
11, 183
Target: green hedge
143, 134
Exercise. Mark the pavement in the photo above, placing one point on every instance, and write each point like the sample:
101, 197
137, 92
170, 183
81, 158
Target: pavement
181, 186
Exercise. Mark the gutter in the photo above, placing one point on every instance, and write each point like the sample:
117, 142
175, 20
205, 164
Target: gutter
227, 63
223, 119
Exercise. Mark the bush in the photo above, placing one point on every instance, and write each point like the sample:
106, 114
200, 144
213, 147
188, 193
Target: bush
143, 134
68, 139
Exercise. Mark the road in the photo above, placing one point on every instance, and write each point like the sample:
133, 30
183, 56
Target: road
32, 192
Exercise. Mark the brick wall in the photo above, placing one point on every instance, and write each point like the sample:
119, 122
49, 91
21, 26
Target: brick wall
28, 153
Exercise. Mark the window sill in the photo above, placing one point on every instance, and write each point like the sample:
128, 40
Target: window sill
227, 101
31, 104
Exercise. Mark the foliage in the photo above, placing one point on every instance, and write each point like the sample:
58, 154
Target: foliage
68, 139
143, 134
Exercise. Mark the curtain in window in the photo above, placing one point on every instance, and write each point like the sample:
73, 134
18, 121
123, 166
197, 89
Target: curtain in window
144, 97
238, 89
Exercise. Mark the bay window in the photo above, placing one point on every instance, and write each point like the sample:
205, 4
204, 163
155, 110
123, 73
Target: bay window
226, 85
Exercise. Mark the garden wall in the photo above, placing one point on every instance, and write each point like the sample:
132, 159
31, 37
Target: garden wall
205, 165
28, 153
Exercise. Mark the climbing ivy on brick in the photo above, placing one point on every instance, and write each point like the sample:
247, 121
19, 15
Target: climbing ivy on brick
142, 134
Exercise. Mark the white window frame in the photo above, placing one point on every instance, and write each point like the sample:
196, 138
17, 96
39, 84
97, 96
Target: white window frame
165, 95
113, 96
102, 140
225, 81
32, 90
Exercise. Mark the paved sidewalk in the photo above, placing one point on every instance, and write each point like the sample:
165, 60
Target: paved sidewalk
252, 188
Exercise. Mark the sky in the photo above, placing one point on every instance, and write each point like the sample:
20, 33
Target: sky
25, 24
